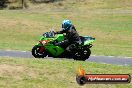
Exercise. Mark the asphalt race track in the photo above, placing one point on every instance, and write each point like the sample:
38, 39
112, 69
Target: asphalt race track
99, 59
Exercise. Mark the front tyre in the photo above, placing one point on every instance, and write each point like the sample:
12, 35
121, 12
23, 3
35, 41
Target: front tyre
39, 51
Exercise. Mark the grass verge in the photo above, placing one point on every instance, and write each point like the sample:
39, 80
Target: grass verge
47, 73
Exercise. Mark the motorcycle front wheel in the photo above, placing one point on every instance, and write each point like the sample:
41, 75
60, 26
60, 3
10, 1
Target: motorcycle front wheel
39, 51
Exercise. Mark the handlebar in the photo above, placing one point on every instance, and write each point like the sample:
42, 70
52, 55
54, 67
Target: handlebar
50, 34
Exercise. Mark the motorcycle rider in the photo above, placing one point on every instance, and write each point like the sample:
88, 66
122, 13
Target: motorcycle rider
72, 37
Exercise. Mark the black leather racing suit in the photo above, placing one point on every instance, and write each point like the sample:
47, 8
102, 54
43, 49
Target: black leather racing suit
72, 38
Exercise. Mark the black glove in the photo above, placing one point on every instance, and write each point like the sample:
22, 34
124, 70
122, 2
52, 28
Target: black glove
54, 32
53, 42
57, 44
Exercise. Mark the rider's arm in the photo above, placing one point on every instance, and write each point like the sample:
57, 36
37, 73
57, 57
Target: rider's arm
62, 42
60, 32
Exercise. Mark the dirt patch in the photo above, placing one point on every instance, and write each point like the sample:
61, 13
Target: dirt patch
10, 69
17, 71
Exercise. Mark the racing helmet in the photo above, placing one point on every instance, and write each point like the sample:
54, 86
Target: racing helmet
66, 24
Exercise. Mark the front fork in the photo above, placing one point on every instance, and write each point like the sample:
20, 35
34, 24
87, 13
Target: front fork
42, 48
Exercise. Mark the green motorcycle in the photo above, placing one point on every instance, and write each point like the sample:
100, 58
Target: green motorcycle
46, 47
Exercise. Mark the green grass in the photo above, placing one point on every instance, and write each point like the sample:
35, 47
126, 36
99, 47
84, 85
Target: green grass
41, 73
79, 5
106, 21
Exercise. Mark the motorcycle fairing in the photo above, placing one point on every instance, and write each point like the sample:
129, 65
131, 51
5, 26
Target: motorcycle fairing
54, 50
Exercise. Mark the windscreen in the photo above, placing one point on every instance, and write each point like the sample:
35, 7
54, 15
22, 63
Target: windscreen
49, 34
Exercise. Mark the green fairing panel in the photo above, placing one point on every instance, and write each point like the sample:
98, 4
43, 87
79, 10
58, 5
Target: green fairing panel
44, 38
54, 50
88, 40
60, 37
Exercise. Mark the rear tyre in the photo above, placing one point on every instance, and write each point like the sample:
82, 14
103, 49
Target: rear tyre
82, 55
39, 51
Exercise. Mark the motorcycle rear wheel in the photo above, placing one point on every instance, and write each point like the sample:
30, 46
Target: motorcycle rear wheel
82, 55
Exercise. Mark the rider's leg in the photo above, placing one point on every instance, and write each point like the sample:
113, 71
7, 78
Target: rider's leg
70, 50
